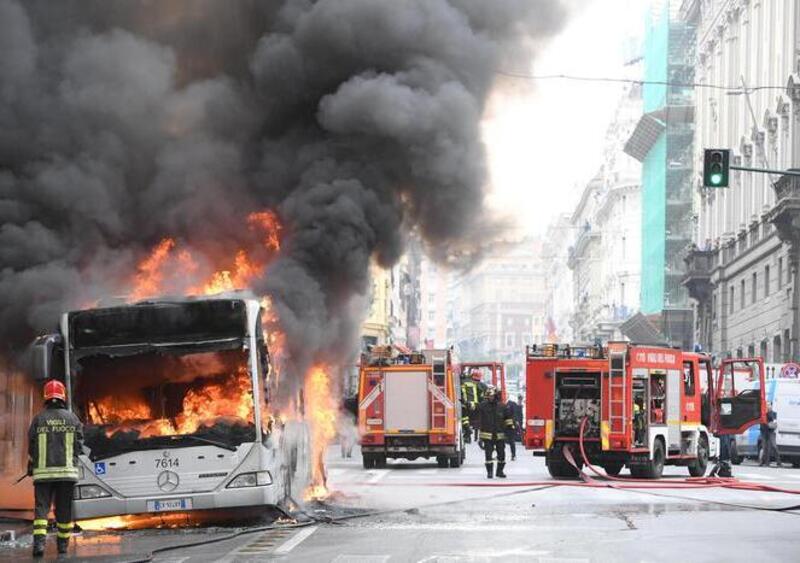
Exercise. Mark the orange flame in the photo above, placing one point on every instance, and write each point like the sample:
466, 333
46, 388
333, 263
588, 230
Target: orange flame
203, 406
150, 276
167, 263
322, 410
268, 222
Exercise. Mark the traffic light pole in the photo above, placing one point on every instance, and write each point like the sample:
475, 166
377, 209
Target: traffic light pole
766, 170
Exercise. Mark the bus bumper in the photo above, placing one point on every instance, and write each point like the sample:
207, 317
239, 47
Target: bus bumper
226, 498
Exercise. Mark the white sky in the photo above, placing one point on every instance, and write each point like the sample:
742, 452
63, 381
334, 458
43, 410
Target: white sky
545, 138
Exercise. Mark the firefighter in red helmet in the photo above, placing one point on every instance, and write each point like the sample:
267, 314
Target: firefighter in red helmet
55, 439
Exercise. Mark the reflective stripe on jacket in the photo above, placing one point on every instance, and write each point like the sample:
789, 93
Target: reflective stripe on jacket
55, 439
495, 418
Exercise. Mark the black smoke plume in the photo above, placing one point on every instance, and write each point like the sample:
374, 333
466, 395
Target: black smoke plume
357, 120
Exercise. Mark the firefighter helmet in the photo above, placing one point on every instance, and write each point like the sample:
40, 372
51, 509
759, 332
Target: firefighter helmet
54, 389
476, 375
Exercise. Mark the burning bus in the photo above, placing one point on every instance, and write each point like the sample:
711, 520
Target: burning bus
175, 397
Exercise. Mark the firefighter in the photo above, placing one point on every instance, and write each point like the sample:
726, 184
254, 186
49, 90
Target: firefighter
480, 391
55, 439
496, 421
511, 434
472, 390
638, 421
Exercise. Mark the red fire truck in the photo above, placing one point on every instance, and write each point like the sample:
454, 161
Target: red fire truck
492, 373
643, 406
409, 406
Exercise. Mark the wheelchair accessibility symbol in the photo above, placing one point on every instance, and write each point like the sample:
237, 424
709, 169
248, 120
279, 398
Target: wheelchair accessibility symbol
100, 468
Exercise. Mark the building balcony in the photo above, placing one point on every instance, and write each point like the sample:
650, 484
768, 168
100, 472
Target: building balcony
785, 215
699, 265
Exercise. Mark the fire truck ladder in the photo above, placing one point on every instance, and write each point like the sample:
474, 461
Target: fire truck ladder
617, 383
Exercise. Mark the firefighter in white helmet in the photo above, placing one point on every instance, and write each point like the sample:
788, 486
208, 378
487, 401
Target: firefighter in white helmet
496, 421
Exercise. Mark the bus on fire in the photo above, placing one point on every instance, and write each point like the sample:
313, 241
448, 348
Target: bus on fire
175, 398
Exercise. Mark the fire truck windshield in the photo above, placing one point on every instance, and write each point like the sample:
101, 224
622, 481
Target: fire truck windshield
156, 400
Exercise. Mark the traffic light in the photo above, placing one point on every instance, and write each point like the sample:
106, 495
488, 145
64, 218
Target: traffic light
716, 168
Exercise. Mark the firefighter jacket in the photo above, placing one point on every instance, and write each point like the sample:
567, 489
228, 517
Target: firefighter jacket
495, 418
471, 394
55, 439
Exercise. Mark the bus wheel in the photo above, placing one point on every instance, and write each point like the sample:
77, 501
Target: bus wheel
441, 461
656, 466
698, 467
613, 467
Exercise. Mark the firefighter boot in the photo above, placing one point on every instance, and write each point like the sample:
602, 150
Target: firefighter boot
500, 473
38, 545
63, 544
490, 470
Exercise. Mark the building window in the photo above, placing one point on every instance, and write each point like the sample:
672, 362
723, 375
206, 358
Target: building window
780, 272
509, 340
777, 352
787, 345
741, 296
622, 294
733, 298
763, 350
766, 281
624, 240
754, 297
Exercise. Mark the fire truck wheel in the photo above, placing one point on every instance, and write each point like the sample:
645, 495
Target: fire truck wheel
796, 463
463, 456
369, 461
455, 461
561, 470
698, 467
656, 466
736, 459
380, 461
613, 468
441, 461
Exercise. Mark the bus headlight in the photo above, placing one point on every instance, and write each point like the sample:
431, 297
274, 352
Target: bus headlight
91, 491
254, 479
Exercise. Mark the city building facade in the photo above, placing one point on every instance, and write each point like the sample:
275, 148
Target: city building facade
498, 308
606, 223
742, 270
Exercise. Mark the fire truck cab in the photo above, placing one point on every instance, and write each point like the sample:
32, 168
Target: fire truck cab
638, 406
409, 406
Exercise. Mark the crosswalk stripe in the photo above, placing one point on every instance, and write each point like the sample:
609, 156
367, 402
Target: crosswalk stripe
295, 540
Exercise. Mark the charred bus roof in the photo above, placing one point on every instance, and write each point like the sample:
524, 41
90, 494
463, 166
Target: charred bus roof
210, 323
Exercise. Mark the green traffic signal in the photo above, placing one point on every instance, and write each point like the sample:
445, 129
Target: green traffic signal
716, 168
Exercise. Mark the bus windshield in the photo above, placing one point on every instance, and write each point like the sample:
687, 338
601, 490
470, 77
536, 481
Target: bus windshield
157, 400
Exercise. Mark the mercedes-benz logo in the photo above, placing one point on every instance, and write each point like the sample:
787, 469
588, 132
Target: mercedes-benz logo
168, 481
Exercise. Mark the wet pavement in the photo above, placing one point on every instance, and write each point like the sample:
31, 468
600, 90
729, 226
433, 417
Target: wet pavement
417, 512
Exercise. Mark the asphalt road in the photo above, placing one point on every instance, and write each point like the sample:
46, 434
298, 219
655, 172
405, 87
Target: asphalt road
416, 512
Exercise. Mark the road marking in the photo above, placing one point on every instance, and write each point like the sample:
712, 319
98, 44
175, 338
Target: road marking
757, 476
170, 559
380, 474
295, 541
361, 558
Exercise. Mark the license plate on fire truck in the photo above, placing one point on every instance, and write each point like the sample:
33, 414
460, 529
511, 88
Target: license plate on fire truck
169, 504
